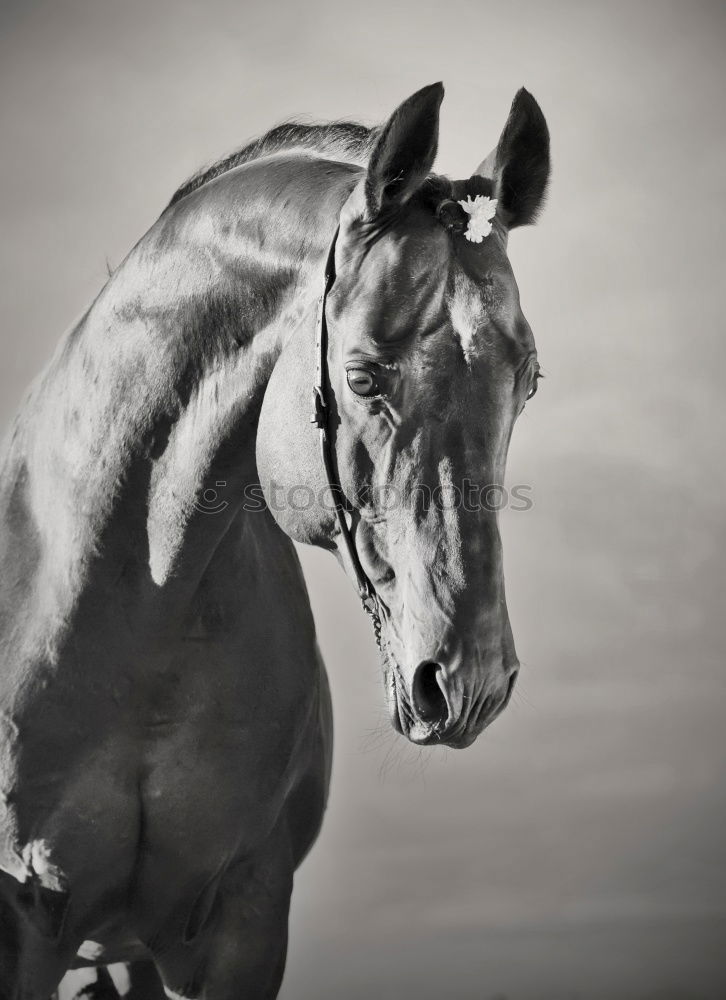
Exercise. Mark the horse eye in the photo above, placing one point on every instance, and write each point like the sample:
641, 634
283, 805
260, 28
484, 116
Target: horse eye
533, 387
363, 382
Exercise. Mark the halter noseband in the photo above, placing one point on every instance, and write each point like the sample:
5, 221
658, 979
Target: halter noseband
320, 417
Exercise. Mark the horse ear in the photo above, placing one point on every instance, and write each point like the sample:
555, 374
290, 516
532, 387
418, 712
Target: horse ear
405, 151
519, 166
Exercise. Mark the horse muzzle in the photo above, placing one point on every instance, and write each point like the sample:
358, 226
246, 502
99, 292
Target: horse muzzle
450, 707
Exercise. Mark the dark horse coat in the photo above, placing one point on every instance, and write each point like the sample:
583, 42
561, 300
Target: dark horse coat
165, 724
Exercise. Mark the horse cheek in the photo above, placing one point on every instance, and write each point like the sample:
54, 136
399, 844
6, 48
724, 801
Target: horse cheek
289, 465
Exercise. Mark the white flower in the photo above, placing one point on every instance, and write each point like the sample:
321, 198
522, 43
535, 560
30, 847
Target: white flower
481, 211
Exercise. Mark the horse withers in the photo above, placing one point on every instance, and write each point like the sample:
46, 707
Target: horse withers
165, 723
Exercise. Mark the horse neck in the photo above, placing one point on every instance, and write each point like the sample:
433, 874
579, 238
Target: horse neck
159, 386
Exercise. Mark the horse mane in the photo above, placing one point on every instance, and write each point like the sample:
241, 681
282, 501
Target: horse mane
347, 141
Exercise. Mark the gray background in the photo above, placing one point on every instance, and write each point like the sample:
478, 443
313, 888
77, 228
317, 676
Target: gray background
578, 849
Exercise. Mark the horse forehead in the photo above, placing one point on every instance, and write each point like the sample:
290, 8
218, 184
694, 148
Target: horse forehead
486, 315
398, 286
411, 249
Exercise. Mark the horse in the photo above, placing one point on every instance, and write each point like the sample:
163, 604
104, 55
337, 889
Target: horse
165, 718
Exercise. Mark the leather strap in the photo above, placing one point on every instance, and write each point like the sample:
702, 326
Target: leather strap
321, 419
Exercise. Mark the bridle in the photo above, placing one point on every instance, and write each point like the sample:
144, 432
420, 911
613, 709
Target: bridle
321, 419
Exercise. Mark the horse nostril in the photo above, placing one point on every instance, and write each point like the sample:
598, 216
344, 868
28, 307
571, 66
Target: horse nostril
428, 697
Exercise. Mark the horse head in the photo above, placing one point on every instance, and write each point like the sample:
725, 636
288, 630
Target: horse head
430, 360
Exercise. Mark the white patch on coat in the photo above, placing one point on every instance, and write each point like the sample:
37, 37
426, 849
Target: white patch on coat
37, 858
468, 315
